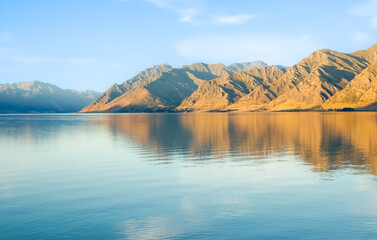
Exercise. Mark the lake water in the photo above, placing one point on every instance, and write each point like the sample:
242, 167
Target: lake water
186, 176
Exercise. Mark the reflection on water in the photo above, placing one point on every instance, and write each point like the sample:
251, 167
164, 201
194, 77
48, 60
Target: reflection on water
186, 176
328, 141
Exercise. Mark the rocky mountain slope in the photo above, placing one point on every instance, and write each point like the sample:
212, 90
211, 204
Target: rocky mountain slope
161, 88
39, 97
324, 80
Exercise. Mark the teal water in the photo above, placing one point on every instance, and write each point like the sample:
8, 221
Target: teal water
186, 176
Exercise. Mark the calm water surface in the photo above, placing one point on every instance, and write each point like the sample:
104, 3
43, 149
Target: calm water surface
185, 176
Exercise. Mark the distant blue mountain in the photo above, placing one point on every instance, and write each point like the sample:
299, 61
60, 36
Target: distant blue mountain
40, 97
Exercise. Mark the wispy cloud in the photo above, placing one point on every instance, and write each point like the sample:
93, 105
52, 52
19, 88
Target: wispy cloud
360, 37
274, 49
186, 13
366, 9
195, 15
5, 36
8, 50
19, 56
160, 3
31, 60
35, 60
373, 22
236, 19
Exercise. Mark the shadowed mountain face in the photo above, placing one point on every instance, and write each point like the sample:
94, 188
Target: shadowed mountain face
325, 141
39, 97
361, 92
324, 80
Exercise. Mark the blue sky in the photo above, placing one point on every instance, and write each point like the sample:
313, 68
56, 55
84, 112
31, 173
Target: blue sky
91, 44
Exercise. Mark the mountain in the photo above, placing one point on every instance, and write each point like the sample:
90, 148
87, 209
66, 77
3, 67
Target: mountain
325, 80
160, 88
232, 90
305, 85
39, 97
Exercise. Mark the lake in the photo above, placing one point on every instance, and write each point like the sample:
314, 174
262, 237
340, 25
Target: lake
185, 176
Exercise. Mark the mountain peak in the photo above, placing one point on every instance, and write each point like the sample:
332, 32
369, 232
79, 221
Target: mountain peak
218, 69
321, 52
27, 85
150, 73
326, 57
247, 65
372, 49
164, 65
369, 54
160, 67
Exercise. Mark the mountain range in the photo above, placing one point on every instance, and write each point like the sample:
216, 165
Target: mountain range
325, 80
39, 97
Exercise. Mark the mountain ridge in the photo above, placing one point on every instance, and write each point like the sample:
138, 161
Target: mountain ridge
311, 84
159, 91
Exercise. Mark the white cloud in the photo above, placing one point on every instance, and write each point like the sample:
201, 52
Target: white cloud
274, 49
189, 14
19, 56
5, 36
160, 3
32, 60
373, 22
366, 9
186, 14
8, 50
80, 62
360, 37
84, 62
236, 19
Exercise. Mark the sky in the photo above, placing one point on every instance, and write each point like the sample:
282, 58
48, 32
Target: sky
92, 44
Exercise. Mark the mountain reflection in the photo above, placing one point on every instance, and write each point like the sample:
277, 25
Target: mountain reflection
327, 141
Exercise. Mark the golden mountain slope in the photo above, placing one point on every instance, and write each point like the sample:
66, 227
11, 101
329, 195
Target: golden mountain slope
161, 88
103, 103
305, 85
325, 80
157, 89
326, 73
232, 90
